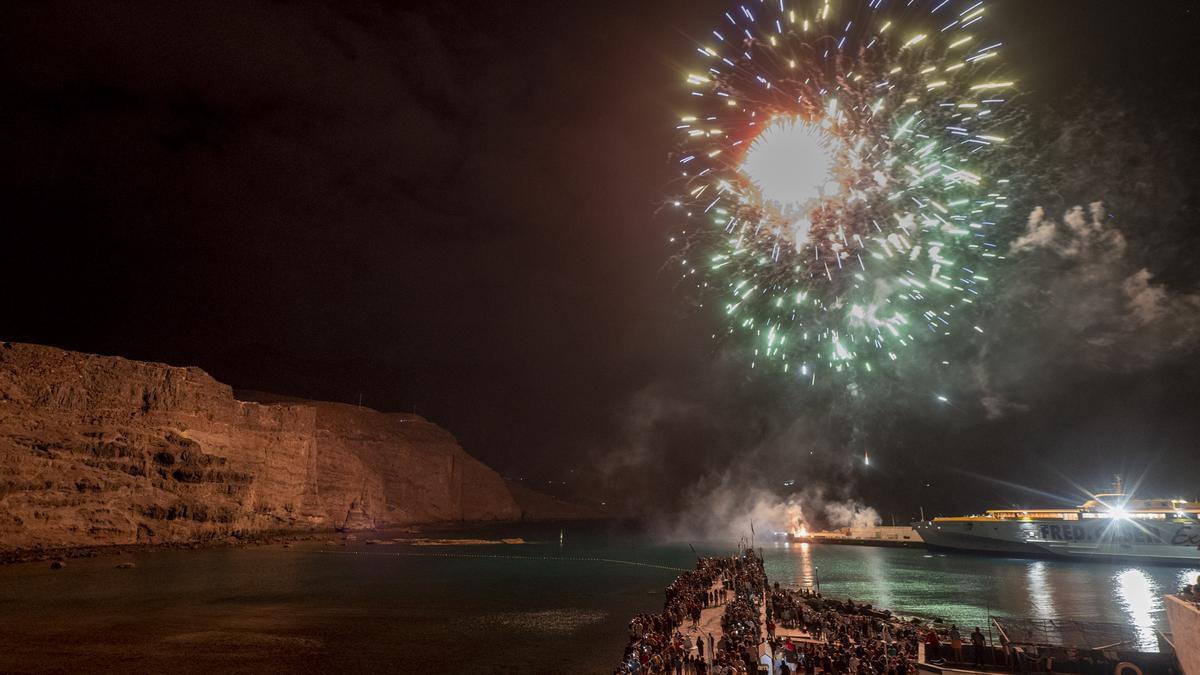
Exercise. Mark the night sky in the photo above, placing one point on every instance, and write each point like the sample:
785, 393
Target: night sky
453, 208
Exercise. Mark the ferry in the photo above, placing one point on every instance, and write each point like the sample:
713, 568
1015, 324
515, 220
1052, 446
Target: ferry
1108, 527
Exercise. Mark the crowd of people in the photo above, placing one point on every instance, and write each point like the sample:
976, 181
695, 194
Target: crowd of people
737, 653
839, 637
656, 641
826, 636
821, 635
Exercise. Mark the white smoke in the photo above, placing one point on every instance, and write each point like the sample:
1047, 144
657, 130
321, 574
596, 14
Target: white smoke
1109, 305
995, 404
1081, 235
725, 509
850, 513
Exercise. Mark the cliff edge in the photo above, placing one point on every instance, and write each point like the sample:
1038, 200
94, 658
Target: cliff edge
99, 450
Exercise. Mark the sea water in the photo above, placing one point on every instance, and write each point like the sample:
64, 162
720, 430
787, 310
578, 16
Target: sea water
331, 605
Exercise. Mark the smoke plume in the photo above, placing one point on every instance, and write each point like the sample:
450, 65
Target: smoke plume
1087, 287
726, 508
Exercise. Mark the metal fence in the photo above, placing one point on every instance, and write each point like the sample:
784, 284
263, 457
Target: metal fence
1067, 633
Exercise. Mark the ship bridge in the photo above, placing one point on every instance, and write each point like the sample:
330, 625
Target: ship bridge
1110, 506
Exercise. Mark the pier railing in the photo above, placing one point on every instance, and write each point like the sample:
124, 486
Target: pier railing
1069, 633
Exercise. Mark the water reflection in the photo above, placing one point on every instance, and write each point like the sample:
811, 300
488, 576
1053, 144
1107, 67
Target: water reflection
1040, 601
805, 569
877, 568
1139, 597
1187, 578
966, 589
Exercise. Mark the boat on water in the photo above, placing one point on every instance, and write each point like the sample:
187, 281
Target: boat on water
1107, 527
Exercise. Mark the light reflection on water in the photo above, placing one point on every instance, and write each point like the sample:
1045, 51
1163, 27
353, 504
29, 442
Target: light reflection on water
877, 569
1187, 578
965, 589
1040, 601
1141, 598
806, 577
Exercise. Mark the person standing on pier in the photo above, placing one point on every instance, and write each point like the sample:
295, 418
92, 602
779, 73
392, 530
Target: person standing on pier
956, 642
932, 645
977, 643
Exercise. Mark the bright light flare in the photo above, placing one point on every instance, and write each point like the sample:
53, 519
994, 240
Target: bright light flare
791, 163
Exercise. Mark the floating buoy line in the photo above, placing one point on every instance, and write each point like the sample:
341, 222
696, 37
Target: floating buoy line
411, 554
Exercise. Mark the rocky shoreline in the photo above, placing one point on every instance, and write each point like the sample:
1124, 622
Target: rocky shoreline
101, 451
18, 556
417, 535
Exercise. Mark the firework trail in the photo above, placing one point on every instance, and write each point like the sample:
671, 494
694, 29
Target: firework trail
832, 180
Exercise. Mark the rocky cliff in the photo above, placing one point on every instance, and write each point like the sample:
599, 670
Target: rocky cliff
103, 450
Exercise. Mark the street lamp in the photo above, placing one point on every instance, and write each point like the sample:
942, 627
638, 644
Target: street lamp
817, 574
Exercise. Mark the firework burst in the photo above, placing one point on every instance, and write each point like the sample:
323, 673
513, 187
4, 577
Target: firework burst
832, 177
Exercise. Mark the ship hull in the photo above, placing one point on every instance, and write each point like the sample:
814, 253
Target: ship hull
1106, 540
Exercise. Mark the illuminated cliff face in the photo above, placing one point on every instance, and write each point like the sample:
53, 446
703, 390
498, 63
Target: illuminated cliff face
103, 450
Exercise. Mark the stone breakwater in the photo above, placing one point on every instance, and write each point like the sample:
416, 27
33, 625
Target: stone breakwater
101, 450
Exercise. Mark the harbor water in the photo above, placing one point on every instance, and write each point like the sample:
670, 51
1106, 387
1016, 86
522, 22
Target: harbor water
537, 607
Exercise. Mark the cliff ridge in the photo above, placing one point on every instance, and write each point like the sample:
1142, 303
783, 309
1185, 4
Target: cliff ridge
101, 450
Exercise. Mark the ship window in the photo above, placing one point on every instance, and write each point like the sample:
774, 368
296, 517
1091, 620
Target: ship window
1054, 515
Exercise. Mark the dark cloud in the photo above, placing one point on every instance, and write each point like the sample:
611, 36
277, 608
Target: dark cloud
452, 196
451, 206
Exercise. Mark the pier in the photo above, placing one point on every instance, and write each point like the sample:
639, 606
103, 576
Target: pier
725, 617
